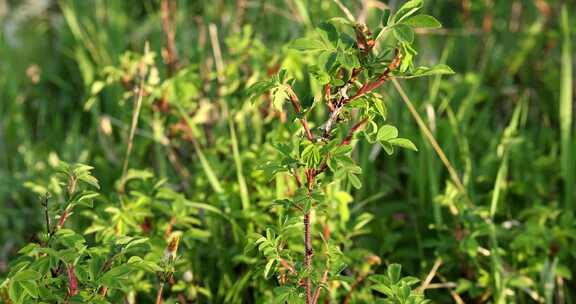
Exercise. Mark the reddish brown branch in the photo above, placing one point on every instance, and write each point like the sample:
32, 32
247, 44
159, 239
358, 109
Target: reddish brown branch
371, 86
287, 265
328, 98
63, 218
169, 228
308, 252
366, 88
319, 288
72, 280
159, 299
307, 256
353, 287
167, 9
298, 109
307, 129
297, 178
345, 141
353, 130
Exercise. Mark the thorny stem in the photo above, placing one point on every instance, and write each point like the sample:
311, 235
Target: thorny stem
311, 173
307, 256
366, 88
308, 251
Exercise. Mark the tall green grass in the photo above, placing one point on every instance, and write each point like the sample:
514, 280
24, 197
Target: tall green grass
566, 110
410, 194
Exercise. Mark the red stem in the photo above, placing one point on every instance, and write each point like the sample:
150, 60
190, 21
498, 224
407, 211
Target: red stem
307, 256
319, 288
353, 288
63, 218
72, 281
371, 86
298, 108
287, 266
297, 178
353, 130
167, 12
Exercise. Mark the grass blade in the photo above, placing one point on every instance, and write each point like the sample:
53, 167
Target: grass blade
566, 93
238, 162
212, 179
453, 174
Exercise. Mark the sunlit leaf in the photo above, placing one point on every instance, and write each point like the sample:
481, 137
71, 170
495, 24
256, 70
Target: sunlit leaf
423, 21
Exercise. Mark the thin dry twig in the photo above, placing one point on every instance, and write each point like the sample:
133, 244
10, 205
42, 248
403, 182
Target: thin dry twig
453, 174
430, 275
456, 297
167, 13
213, 30
135, 114
240, 12
446, 285
159, 294
345, 10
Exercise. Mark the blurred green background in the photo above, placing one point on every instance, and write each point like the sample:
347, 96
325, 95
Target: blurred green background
504, 121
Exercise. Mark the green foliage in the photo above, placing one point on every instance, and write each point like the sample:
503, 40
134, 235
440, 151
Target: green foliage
62, 267
349, 69
261, 120
397, 290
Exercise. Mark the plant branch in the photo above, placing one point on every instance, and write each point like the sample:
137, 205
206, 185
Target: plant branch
345, 141
166, 11
430, 275
298, 109
297, 178
135, 115
353, 130
307, 257
327, 89
371, 86
213, 30
455, 296
366, 88
46, 215
345, 10
353, 287
319, 287
159, 294
287, 266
